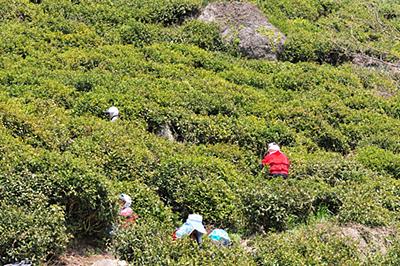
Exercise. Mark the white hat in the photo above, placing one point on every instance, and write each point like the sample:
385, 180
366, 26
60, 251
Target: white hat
125, 198
112, 111
196, 221
272, 147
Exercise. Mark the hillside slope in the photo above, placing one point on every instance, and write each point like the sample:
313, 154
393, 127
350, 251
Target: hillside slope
63, 164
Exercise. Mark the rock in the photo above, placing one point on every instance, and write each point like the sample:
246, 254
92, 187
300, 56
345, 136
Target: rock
110, 262
22, 263
244, 25
166, 132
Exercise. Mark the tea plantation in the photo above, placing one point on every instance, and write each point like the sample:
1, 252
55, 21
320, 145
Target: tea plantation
63, 163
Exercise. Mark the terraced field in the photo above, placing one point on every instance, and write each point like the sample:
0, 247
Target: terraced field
63, 164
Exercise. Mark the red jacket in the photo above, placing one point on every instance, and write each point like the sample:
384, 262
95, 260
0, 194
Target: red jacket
278, 163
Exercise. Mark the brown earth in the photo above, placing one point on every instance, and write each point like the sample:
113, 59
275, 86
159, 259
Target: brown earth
376, 239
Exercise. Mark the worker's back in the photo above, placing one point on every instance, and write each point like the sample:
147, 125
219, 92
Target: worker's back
278, 162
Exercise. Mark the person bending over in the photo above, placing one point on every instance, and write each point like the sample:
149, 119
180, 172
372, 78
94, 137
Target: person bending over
278, 162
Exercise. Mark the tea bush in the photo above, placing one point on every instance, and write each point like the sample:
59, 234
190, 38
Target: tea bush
143, 243
325, 31
138, 33
203, 35
374, 203
119, 157
169, 12
62, 63
360, 207
331, 167
274, 204
392, 256
37, 234
33, 127
44, 179
135, 245
380, 160
244, 160
201, 185
145, 202
318, 244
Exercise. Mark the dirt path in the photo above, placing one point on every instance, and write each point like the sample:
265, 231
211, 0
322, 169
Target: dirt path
72, 259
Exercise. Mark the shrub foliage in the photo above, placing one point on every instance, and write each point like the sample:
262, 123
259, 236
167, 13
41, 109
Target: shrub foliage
62, 164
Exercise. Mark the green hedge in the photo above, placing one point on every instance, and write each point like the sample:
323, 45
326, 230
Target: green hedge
380, 160
373, 203
276, 204
46, 180
326, 31
62, 63
320, 244
149, 242
145, 201
204, 185
37, 234
330, 167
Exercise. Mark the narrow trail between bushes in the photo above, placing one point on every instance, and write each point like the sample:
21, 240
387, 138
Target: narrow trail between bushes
84, 254
71, 259
76, 259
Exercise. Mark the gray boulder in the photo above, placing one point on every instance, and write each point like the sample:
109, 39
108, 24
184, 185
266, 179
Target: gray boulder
243, 25
25, 262
166, 132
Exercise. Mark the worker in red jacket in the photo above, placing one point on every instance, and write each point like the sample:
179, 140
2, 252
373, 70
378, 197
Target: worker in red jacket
278, 162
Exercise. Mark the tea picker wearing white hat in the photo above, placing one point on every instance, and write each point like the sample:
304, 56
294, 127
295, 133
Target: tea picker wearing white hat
113, 113
126, 210
125, 202
193, 227
278, 162
126, 215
